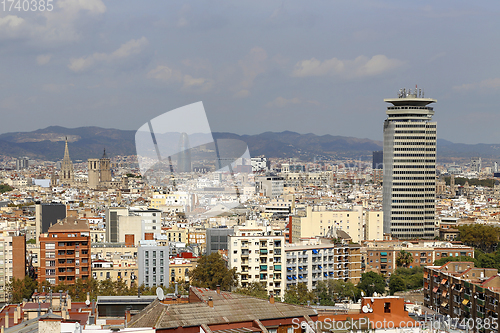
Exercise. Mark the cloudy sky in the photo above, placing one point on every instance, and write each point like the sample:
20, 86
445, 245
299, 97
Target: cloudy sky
306, 66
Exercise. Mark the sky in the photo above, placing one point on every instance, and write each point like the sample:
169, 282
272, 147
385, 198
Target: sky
320, 67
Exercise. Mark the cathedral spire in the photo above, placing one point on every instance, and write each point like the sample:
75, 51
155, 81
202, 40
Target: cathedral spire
66, 151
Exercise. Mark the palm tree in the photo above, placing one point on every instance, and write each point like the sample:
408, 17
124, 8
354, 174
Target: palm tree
404, 259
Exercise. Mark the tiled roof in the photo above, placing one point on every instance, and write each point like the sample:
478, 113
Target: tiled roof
227, 307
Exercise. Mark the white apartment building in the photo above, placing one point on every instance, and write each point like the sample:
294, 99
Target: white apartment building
258, 258
317, 262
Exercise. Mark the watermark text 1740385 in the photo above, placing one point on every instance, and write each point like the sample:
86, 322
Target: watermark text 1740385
26, 5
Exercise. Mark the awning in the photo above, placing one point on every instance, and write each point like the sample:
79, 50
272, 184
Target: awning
435, 289
288, 277
426, 275
294, 277
445, 293
326, 274
444, 304
320, 267
383, 253
426, 285
465, 302
443, 281
300, 267
300, 276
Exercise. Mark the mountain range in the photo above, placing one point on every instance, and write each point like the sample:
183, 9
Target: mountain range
90, 142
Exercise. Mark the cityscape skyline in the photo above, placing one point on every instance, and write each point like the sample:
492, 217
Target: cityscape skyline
256, 67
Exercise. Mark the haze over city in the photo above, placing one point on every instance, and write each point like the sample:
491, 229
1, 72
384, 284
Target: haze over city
320, 67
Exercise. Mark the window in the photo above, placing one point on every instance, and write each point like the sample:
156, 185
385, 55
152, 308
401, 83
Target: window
50, 246
146, 254
387, 307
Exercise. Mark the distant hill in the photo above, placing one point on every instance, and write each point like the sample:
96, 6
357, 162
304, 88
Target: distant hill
89, 142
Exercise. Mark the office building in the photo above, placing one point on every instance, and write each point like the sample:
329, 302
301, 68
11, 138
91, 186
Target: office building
476, 164
153, 263
22, 163
132, 224
217, 239
269, 186
47, 214
65, 252
409, 166
318, 262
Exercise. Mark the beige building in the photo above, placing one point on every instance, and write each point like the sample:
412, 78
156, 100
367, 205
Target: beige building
114, 270
320, 222
179, 269
374, 227
175, 234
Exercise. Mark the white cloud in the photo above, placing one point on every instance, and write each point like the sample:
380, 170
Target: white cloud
242, 93
492, 84
359, 67
281, 102
189, 83
197, 84
49, 26
128, 49
43, 59
10, 22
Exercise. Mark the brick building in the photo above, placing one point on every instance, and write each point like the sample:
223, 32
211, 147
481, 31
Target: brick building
65, 252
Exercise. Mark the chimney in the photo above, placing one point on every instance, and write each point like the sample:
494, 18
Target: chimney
6, 319
68, 301
176, 292
210, 302
88, 298
218, 289
271, 298
16, 315
127, 317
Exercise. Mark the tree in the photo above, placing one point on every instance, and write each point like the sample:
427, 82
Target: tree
330, 291
21, 289
442, 261
484, 237
372, 282
255, 289
396, 283
404, 259
212, 271
298, 294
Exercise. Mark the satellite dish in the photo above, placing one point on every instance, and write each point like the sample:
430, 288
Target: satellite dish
365, 309
87, 302
362, 294
159, 294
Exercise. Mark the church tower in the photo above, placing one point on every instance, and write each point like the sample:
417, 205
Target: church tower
105, 168
67, 176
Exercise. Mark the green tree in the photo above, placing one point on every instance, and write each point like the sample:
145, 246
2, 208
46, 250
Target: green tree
255, 289
21, 288
212, 271
298, 294
372, 282
330, 291
480, 236
5, 188
442, 261
396, 283
404, 259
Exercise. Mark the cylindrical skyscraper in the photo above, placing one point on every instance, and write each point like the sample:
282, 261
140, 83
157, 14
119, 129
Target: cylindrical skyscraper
409, 186
184, 155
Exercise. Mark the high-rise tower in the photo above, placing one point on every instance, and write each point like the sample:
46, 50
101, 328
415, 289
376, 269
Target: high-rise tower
67, 176
409, 185
184, 155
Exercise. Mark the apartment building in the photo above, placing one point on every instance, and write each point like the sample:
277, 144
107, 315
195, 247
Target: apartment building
374, 228
381, 256
317, 262
322, 222
153, 262
12, 262
180, 268
258, 258
464, 292
65, 252
175, 234
108, 270
141, 223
